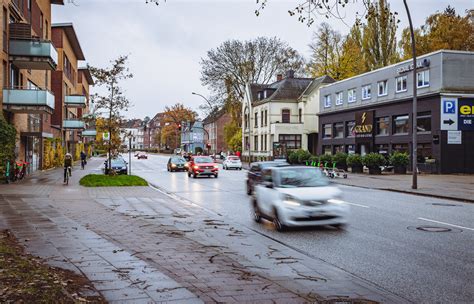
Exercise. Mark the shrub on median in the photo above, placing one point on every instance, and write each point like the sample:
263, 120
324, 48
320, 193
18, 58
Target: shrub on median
99, 180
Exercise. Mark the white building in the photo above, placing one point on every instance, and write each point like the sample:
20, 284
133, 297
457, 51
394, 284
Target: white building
281, 113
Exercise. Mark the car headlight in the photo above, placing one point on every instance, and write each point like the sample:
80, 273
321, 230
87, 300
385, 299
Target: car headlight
173, 165
291, 201
216, 166
196, 167
336, 201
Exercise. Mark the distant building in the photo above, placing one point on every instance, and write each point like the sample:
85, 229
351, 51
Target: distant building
192, 137
153, 131
214, 125
281, 116
134, 128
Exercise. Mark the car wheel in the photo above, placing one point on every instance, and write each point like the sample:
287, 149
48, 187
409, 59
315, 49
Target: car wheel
189, 174
194, 175
216, 175
277, 223
167, 168
340, 226
249, 189
257, 215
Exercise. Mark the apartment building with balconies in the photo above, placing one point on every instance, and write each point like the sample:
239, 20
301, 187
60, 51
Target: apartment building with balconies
70, 86
28, 58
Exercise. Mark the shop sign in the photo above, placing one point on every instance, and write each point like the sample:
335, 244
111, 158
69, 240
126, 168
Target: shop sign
466, 114
106, 136
419, 64
454, 137
364, 124
449, 113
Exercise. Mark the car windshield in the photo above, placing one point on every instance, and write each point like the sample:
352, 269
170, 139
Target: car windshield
203, 160
178, 160
301, 177
273, 164
118, 162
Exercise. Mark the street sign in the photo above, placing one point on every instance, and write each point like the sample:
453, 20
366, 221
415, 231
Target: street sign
106, 136
466, 114
454, 137
449, 113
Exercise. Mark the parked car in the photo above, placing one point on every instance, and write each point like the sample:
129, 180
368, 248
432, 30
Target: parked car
176, 163
119, 165
232, 162
298, 196
202, 166
142, 155
255, 171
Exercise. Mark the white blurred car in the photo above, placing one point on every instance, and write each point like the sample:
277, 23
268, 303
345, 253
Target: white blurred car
298, 196
232, 162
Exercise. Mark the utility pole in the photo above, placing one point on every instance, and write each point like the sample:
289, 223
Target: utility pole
414, 156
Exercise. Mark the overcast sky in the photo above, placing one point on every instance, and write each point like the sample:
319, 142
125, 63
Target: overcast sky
166, 42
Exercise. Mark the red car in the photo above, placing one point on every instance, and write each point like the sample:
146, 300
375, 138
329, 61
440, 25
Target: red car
202, 166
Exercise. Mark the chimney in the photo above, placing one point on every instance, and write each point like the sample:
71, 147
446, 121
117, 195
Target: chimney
290, 74
279, 77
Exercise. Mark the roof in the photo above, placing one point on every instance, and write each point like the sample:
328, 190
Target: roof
68, 28
316, 83
131, 123
214, 115
88, 75
285, 89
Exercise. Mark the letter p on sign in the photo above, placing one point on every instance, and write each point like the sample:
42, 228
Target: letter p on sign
449, 107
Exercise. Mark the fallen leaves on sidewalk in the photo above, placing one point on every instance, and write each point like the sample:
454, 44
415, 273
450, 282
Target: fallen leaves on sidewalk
26, 279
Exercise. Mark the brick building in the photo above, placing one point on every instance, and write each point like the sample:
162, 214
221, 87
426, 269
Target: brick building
214, 125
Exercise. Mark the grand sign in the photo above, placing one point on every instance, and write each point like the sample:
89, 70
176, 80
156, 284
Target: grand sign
364, 124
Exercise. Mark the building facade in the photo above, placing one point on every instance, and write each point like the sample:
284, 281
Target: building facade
281, 116
372, 112
192, 137
28, 58
214, 125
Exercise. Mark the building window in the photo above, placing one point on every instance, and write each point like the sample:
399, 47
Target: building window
382, 125
401, 124
401, 84
424, 152
261, 119
5, 29
300, 115
400, 148
327, 131
382, 85
423, 122
339, 98
351, 95
327, 150
338, 148
350, 128
367, 91
423, 79
382, 149
262, 143
327, 101
285, 116
339, 130
292, 141
246, 142
255, 143
350, 149
265, 142
266, 117
246, 121
256, 119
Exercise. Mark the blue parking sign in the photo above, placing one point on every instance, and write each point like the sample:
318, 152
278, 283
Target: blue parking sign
449, 106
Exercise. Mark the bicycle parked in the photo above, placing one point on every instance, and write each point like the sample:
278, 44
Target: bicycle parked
20, 168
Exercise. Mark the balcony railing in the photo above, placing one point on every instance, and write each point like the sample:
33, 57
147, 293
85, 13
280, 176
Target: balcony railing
28, 101
75, 101
89, 133
73, 124
33, 54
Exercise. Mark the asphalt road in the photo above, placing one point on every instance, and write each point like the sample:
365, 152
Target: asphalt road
381, 244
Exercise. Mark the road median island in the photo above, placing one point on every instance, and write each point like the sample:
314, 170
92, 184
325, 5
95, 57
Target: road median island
26, 279
100, 180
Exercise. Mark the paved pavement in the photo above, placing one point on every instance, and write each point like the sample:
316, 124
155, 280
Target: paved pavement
140, 245
458, 187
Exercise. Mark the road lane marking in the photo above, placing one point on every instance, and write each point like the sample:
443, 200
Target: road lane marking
438, 222
358, 205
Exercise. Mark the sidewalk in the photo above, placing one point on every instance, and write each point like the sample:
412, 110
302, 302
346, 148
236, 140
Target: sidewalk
138, 245
457, 187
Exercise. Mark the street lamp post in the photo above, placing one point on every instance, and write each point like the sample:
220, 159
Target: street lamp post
129, 153
414, 184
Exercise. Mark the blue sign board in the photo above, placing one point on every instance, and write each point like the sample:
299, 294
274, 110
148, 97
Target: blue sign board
466, 114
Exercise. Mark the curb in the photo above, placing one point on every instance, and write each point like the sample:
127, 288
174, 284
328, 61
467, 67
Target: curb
458, 199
